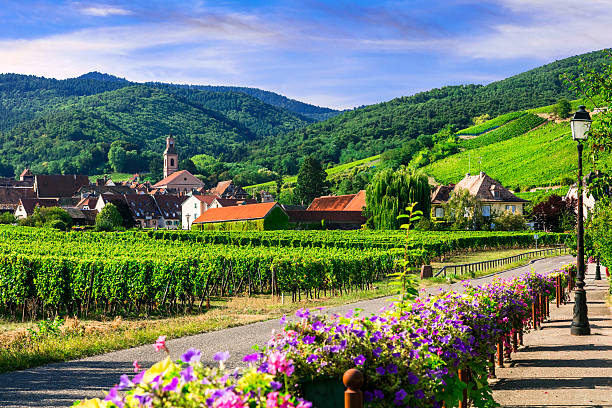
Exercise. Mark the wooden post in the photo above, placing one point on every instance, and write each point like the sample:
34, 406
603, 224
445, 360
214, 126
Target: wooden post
353, 381
492, 361
533, 314
500, 353
558, 288
520, 335
463, 376
514, 341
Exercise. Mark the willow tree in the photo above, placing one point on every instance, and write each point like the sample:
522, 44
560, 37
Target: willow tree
390, 192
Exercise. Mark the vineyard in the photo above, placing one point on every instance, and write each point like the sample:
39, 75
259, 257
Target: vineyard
489, 125
45, 272
515, 128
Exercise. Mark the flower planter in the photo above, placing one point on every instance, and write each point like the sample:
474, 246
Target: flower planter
324, 392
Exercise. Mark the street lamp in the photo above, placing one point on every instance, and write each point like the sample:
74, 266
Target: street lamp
581, 124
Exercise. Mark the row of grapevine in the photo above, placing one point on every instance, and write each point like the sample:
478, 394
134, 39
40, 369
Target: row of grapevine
516, 128
489, 125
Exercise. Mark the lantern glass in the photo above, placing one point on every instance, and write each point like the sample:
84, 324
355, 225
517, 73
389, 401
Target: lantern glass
580, 129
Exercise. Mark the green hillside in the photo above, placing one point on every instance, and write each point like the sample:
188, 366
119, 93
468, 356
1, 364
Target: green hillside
373, 129
543, 157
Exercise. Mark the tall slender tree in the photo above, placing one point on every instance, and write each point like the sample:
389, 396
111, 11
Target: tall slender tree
310, 181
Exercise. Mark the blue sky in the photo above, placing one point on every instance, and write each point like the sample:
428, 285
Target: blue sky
339, 54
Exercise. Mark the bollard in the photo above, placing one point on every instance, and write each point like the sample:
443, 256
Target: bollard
353, 381
533, 314
492, 361
463, 376
500, 353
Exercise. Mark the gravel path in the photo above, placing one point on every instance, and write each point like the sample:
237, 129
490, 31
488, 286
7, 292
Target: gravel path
58, 385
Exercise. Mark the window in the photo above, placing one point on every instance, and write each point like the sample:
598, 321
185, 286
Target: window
171, 162
486, 210
439, 212
511, 208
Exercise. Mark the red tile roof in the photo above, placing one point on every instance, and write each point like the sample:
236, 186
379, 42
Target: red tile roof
208, 199
29, 204
358, 203
173, 177
232, 202
236, 213
221, 187
331, 203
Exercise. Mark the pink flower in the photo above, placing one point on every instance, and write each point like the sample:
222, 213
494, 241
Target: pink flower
278, 363
229, 400
160, 344
137, 366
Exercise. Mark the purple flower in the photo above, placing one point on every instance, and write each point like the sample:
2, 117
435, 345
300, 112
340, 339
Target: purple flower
368, 396
412, 379
377, 352
392, 368
309, 339
335, 349
188, 375
155, 382
221, 356
312, 358
144, 399
172, 384
303, 313
349, 314
375, 337
125, 382
318, 326
249, 358
113, 396
138, 377
380, 371
283, 320
359, 360
379, 394
400, 396
275, 385
191, 356
419, 394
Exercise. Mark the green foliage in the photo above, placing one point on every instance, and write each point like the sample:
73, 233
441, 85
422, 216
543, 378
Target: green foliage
52, 217
562, 108
480, 128
404, 278
479, 120
109, 218
512, 129
57, 224
509, 222
464, 212
310, 181
276, 220
390, 192
599, 233
46, 328
7, 218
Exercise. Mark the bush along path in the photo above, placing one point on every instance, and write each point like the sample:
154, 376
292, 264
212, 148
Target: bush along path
436, 351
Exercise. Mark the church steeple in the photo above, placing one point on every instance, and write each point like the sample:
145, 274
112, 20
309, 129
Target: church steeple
170, 157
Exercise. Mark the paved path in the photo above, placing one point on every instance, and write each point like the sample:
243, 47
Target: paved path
58, 385
555, 369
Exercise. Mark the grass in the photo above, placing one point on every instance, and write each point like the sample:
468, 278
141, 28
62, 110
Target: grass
87, 338
544, 156
332, 171
117, 177
490, 124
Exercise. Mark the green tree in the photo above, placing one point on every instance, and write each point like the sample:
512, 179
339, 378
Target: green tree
481, 119
463, 212
310, 180
188, 165
509, 222
117, 157
562, 108
390, 192
109, 218
7, 218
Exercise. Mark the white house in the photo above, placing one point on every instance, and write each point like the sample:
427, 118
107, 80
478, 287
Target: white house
195, 206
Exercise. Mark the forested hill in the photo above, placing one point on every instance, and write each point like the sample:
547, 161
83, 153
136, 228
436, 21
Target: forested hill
374, 129
68, 126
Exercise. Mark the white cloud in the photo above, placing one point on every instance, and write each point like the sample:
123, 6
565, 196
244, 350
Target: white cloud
104, 11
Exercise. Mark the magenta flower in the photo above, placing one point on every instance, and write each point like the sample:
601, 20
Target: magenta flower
359, 360
113, 396
172, 385
160, 344
191, 356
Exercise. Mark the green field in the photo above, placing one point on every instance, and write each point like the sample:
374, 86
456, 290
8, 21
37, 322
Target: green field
543, 157
490, 124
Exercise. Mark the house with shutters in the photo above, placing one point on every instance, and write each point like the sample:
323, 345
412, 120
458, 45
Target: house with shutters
170, 209
227, 189
491, 195
26, 206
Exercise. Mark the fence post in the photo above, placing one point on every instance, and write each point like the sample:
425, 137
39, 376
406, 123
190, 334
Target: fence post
533, 314
514, 341
500, 352
353, 381
558, 289
520, 334
492, 361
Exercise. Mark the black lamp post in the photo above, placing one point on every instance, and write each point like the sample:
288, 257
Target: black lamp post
581, 124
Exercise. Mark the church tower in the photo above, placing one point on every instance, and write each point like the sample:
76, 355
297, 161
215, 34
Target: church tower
170, 157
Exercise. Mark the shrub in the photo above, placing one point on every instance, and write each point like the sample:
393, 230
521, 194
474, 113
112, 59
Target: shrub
57, 224
509, 222
276, 220
7, 218
109, 218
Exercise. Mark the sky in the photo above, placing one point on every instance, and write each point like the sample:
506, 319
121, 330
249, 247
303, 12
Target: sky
338, 54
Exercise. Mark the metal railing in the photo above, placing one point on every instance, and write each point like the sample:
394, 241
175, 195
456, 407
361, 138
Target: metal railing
472, 268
